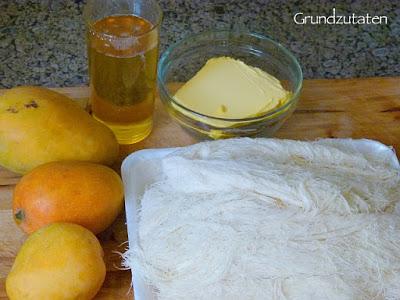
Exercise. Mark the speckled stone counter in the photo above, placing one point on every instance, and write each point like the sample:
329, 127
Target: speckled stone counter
42, 42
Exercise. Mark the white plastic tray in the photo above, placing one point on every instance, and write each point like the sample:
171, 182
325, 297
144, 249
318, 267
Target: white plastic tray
137, 172
140, 169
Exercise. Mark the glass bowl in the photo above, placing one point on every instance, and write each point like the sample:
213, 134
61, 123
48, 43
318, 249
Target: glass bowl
184, 59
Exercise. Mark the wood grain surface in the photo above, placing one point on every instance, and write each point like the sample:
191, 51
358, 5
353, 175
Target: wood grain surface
357, 108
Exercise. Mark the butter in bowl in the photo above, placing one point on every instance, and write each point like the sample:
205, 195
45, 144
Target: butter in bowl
225, 84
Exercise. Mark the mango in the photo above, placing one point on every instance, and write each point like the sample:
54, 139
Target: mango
84, 193
61, 261
38, 125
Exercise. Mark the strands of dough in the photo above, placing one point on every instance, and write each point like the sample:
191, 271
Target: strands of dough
271, 219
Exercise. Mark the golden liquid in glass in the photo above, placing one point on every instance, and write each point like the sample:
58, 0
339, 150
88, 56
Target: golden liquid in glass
123, 53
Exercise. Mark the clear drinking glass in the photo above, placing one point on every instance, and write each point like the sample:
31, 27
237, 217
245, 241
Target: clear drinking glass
122, 42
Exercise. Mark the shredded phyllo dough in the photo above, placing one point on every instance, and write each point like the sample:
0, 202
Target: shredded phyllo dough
271, 219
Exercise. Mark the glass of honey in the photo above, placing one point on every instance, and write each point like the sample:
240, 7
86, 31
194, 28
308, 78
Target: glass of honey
122, 42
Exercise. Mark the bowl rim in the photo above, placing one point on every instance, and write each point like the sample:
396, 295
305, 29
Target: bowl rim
164, 57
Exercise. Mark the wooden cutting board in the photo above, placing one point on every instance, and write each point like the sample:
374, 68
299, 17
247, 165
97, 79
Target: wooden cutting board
357, 108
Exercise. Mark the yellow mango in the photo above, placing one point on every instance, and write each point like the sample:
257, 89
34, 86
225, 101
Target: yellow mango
62, 261
87, 194
38, 125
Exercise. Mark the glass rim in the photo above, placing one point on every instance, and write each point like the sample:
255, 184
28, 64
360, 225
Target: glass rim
298, 84
89, 24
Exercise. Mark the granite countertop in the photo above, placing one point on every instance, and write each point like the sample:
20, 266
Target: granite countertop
43, 43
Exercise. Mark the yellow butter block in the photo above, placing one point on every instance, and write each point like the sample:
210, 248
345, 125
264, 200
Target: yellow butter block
228, 88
